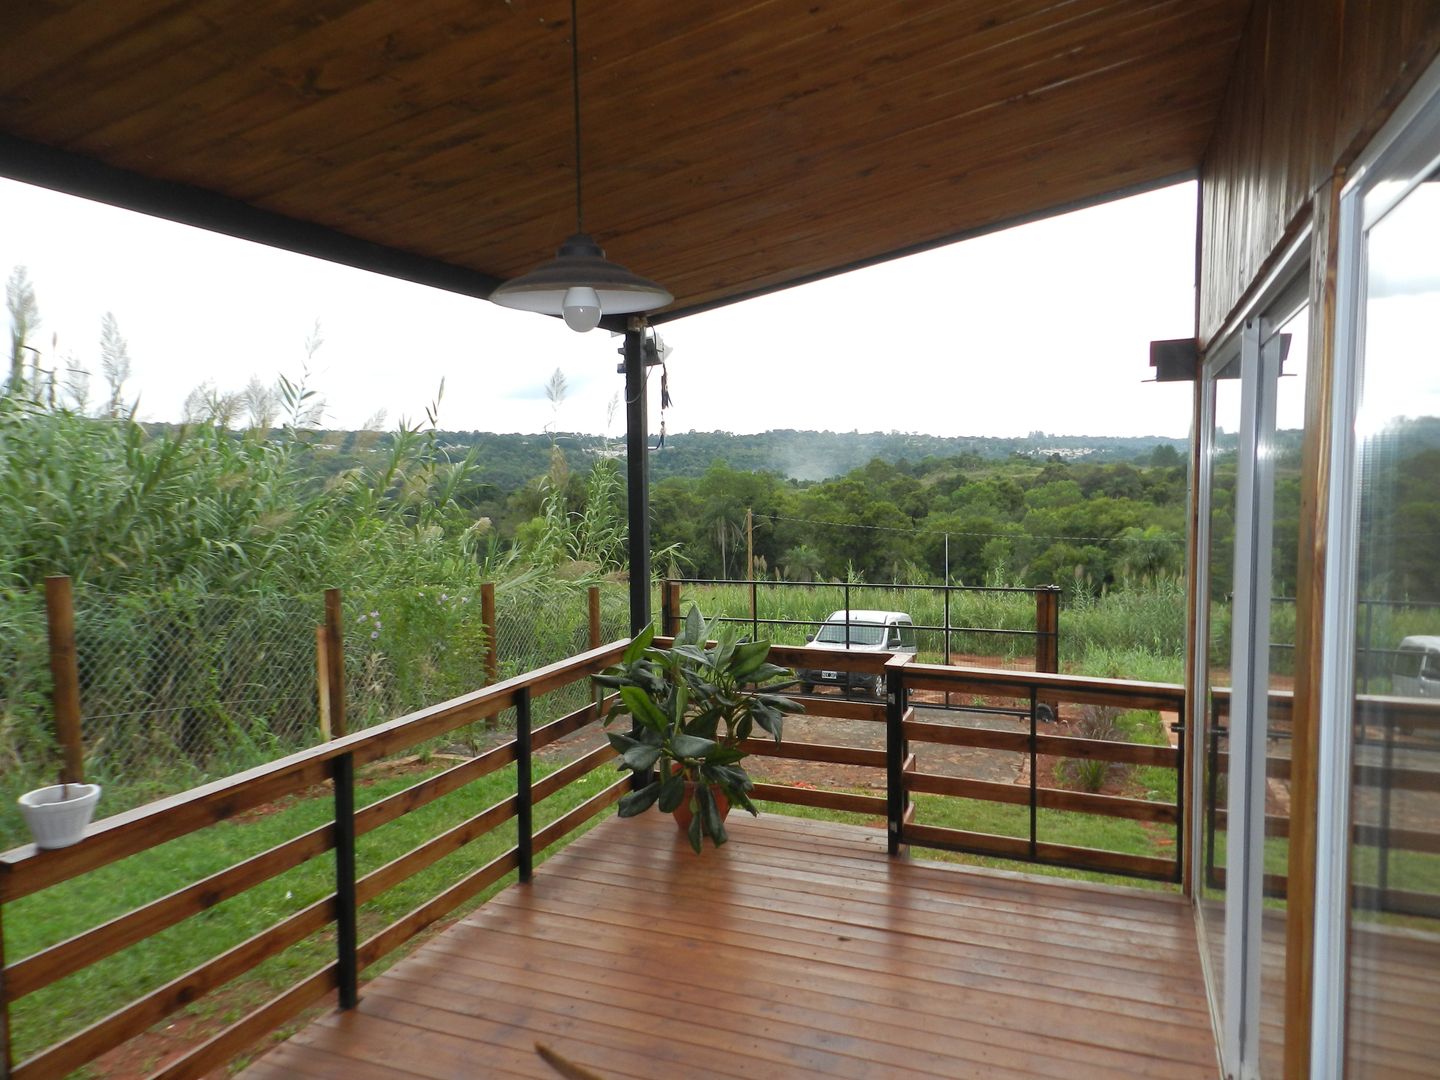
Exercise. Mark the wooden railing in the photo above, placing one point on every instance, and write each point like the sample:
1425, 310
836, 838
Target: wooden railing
1018, 693
26, 870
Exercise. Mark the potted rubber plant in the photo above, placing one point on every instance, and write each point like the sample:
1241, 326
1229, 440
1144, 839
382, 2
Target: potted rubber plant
692, 706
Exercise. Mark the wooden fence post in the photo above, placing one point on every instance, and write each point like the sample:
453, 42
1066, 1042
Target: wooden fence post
594, 599
322, 680
335, 663
65, 670
492, 642
670, 608
1047, 648
1047, 629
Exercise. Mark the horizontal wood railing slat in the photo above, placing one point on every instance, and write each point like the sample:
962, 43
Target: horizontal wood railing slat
1108, 750
843, 708
575, 817
952, 735
109, 1032
1055, 745
817, 752
959, 787
243, 1033
1015, 847
801, 656
1087, 802
423, 793
437, 907
570, 722
433, 850
820, 798
581, 766
1083, 689
1008, 847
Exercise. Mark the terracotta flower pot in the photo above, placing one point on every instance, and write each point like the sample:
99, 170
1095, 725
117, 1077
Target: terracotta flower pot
683, 814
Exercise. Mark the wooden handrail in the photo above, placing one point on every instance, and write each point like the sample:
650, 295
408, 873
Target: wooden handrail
27, 869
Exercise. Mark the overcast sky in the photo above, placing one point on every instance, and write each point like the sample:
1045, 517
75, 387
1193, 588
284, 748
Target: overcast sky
1043, 327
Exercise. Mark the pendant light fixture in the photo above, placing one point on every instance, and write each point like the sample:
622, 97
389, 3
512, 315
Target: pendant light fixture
580, 283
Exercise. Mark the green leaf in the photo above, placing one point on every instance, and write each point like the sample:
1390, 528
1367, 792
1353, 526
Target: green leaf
766, 672
637, 802
694, 831
742, 800
691, 746
710, 813
748, 659
644, 708
694, 630
638, 644
641, 759
672, 792
620, 743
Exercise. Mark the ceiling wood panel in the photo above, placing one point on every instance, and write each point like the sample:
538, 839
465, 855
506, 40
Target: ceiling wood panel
729, 148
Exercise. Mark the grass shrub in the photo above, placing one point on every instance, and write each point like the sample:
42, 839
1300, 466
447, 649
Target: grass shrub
1090, 774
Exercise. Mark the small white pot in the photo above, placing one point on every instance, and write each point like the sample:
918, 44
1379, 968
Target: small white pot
54, 820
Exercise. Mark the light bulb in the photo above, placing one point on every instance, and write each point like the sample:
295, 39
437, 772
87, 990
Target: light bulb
582, 308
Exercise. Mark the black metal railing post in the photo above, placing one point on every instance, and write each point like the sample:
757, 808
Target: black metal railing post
524, 839
1034, 780
1179, 729
347, 940
895, 794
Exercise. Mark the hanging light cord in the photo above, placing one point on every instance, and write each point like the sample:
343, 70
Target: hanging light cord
575, 90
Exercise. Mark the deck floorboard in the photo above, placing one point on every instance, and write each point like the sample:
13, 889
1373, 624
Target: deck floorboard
799, 949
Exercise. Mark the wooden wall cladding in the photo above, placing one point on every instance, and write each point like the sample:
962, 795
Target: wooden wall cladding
1312, 82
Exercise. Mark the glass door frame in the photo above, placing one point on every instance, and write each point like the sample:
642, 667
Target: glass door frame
1235, 1005
1400, 156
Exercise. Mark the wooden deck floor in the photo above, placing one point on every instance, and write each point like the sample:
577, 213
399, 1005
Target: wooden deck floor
799, 949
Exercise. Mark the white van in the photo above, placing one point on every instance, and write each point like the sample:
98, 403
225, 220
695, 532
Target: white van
858, 631
1417, 667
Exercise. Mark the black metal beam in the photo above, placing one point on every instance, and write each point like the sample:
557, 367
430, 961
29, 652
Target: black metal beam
89, 178
637, 476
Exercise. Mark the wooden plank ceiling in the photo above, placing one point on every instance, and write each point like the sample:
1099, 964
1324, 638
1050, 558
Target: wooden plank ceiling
729, 148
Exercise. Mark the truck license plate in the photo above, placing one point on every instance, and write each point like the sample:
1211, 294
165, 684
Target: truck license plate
830, 675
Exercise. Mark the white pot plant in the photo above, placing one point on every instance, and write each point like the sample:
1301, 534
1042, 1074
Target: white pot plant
692, 706
57, 815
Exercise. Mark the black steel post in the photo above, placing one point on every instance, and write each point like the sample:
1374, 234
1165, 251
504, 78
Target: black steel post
524, 840
637, 475
346, 934
895, 757
1179, 729
1034, 793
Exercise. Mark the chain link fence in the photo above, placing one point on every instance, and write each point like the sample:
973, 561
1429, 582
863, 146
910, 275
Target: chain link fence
180, 688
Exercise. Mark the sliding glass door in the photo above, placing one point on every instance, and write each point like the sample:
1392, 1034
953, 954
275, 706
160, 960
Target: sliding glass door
1252, 413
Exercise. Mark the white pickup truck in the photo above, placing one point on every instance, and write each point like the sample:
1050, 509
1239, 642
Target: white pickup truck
858, 631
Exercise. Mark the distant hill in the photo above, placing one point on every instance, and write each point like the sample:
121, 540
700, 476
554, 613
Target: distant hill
509, 461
